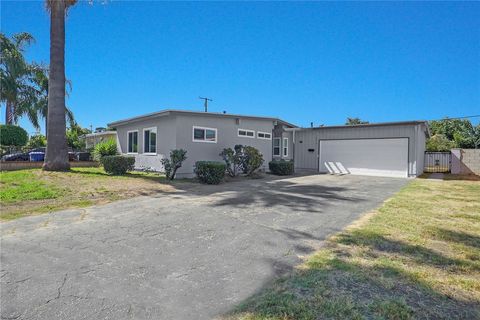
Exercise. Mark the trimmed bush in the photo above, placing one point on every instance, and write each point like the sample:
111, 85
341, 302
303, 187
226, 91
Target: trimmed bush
234, 159
171, 165
11, 135
252, 160
118, 165
105, 148
281, 167
210, 172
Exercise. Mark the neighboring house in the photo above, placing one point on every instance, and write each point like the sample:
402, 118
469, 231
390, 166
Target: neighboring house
92, 139
394, 149
203, 134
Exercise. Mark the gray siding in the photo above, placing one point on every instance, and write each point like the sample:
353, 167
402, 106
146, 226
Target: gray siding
175, 131
166, 140
227, 137
309, 139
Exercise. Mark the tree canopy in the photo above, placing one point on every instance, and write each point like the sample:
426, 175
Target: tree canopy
355, 121
453, 133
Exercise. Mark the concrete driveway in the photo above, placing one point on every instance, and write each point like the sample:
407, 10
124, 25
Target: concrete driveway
193, 254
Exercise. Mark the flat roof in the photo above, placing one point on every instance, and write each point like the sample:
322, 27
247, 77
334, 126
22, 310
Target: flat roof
378, 124
102, 133
214, 114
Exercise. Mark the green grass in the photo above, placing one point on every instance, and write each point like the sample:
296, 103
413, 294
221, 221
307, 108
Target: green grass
416, 257
22, 185
30, 192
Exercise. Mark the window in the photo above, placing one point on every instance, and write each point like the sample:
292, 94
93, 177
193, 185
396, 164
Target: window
204, 134
150, 140
132, 142
246, 133
264, 135
285, 147
276, 146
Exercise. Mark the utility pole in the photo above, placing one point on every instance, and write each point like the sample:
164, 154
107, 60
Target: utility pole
205, 103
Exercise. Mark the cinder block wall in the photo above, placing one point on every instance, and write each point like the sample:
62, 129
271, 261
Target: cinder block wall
466, 161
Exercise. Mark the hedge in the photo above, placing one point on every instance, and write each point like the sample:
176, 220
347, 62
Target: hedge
118, 165
281, 167
11, 135
210, 172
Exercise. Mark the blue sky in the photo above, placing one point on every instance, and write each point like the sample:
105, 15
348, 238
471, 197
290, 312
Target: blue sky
303, 62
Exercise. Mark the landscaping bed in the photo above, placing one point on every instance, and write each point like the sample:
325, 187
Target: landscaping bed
29, 192
416, 257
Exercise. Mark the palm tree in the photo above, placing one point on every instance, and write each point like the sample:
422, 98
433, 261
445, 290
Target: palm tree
56, 157
16, 90
40, 78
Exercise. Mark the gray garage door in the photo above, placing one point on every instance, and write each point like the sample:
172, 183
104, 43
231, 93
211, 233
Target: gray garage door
372, 157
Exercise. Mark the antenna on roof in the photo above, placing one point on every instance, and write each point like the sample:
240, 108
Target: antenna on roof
206, 102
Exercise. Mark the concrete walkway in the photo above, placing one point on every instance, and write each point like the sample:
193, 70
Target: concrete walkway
193, 254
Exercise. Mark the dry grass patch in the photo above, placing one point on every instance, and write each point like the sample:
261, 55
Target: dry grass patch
29, 192
416, 257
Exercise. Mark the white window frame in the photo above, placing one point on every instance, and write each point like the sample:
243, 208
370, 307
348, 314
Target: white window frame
204, 128
284, 147
152, 129
128, 141
279, 147
261, 132
245, 136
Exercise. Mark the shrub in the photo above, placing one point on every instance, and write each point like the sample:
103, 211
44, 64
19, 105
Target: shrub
118, 164
233, 159
438, 143
171, 165
210, 172
37, 141
105, 148
281, 167
252, 160
11, 135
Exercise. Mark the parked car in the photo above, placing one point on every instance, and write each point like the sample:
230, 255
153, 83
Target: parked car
20, 156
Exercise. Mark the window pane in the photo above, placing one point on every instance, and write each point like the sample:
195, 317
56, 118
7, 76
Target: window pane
276, 143
261, 135
276, 151
130, 141
210, 135
250, 133
267, 135
242, 132
146, 141
153, 142
135, 142
199, 134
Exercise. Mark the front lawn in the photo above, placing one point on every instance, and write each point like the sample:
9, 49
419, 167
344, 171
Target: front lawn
416, 257
28, 192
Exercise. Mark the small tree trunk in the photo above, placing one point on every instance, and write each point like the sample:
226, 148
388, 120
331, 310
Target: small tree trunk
56, 157
8, 113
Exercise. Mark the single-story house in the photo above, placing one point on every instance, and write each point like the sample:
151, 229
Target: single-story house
394, 149
92, 139
204, 135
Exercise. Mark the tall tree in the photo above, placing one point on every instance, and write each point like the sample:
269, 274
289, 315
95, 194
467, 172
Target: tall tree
16, 89
56, 157
40, 78
355, 121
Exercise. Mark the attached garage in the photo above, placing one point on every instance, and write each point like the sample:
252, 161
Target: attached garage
384, 149
372, 157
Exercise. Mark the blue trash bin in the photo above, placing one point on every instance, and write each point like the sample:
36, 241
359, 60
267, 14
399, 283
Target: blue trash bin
37, 156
